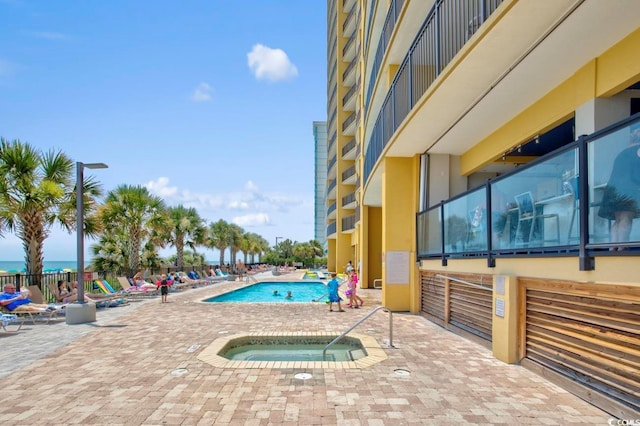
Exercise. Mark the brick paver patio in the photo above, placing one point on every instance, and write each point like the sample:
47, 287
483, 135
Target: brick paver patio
125, 370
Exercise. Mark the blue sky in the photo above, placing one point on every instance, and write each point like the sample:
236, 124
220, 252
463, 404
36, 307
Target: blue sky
209, 103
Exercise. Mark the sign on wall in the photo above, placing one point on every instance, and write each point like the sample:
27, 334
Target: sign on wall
398, 267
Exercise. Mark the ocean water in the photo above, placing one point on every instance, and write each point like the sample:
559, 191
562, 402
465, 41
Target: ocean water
52, 265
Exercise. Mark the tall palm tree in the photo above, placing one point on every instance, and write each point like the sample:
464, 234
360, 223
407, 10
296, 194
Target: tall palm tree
253, 246
37, 190
187, 228
318, 251
141, 216
236, 241
219, 237
264, 247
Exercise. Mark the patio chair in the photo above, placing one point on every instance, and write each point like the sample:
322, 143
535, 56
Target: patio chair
130, 290
210, 278
24, 313
11, 319
531, 220
101, 300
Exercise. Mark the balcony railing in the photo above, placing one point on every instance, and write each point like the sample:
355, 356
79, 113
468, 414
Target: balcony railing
347, 97
349, 44
331, 229
348, 146
348, 222
443, 33
332, 208
349, 173
389, 24
332, 163
556, 205
349, 68
350, 119
350, 18
331, 186
348, 199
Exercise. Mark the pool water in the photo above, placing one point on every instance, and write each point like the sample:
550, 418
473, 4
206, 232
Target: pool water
295, 349
264, 293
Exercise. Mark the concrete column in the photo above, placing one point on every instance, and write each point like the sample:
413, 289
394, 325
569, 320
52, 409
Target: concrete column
399, 204
505, 318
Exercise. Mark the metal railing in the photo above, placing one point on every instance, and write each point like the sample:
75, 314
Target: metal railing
357, 323
443, 34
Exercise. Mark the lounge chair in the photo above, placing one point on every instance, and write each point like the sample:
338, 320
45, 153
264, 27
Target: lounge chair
33, 315
127, 288
211, 278
11, 319
101, 300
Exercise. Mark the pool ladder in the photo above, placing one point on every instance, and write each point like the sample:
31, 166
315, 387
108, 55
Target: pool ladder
360, 321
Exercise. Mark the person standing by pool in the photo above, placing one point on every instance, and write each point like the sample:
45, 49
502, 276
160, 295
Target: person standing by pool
353, 290
349, 267
164, 288
334, 297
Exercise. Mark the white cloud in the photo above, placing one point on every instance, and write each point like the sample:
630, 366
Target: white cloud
254, 219
270, 64
161, 189
202, 93
251, 199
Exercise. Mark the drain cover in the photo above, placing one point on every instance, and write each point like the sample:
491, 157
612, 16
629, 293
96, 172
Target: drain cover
179, 372
193, 348
223, 332
303, 376
372, 331
401, 372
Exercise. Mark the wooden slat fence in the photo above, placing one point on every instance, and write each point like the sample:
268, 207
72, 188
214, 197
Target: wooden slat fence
463, 301
590, 335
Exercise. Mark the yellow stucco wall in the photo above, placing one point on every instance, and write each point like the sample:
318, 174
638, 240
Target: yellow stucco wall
374, 258
505, 318
608, 269
604, 76
398, 230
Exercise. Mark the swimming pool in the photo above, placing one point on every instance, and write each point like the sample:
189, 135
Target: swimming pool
264, 293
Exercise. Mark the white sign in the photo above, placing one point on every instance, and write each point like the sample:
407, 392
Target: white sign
499, 307
398, 264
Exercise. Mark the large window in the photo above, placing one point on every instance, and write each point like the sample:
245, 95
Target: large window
539, 208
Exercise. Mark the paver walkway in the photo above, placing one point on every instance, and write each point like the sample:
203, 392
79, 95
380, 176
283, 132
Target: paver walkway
123, 370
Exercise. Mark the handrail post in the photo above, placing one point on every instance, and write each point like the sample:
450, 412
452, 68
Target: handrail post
360, 321
390, 328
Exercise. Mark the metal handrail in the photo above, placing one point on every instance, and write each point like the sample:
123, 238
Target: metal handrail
481, 287
360, 321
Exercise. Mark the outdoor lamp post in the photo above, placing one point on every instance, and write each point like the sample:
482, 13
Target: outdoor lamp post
81, 312
277, 255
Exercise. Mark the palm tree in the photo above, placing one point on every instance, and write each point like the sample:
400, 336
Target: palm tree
134, 212
187, 228
254, 246
236, 241
219, 237
318, 251
37, 190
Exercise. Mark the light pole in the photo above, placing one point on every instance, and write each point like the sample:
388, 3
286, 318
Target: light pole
81, 312
277, 255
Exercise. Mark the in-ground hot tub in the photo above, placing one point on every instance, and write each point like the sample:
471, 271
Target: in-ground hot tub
292, 350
